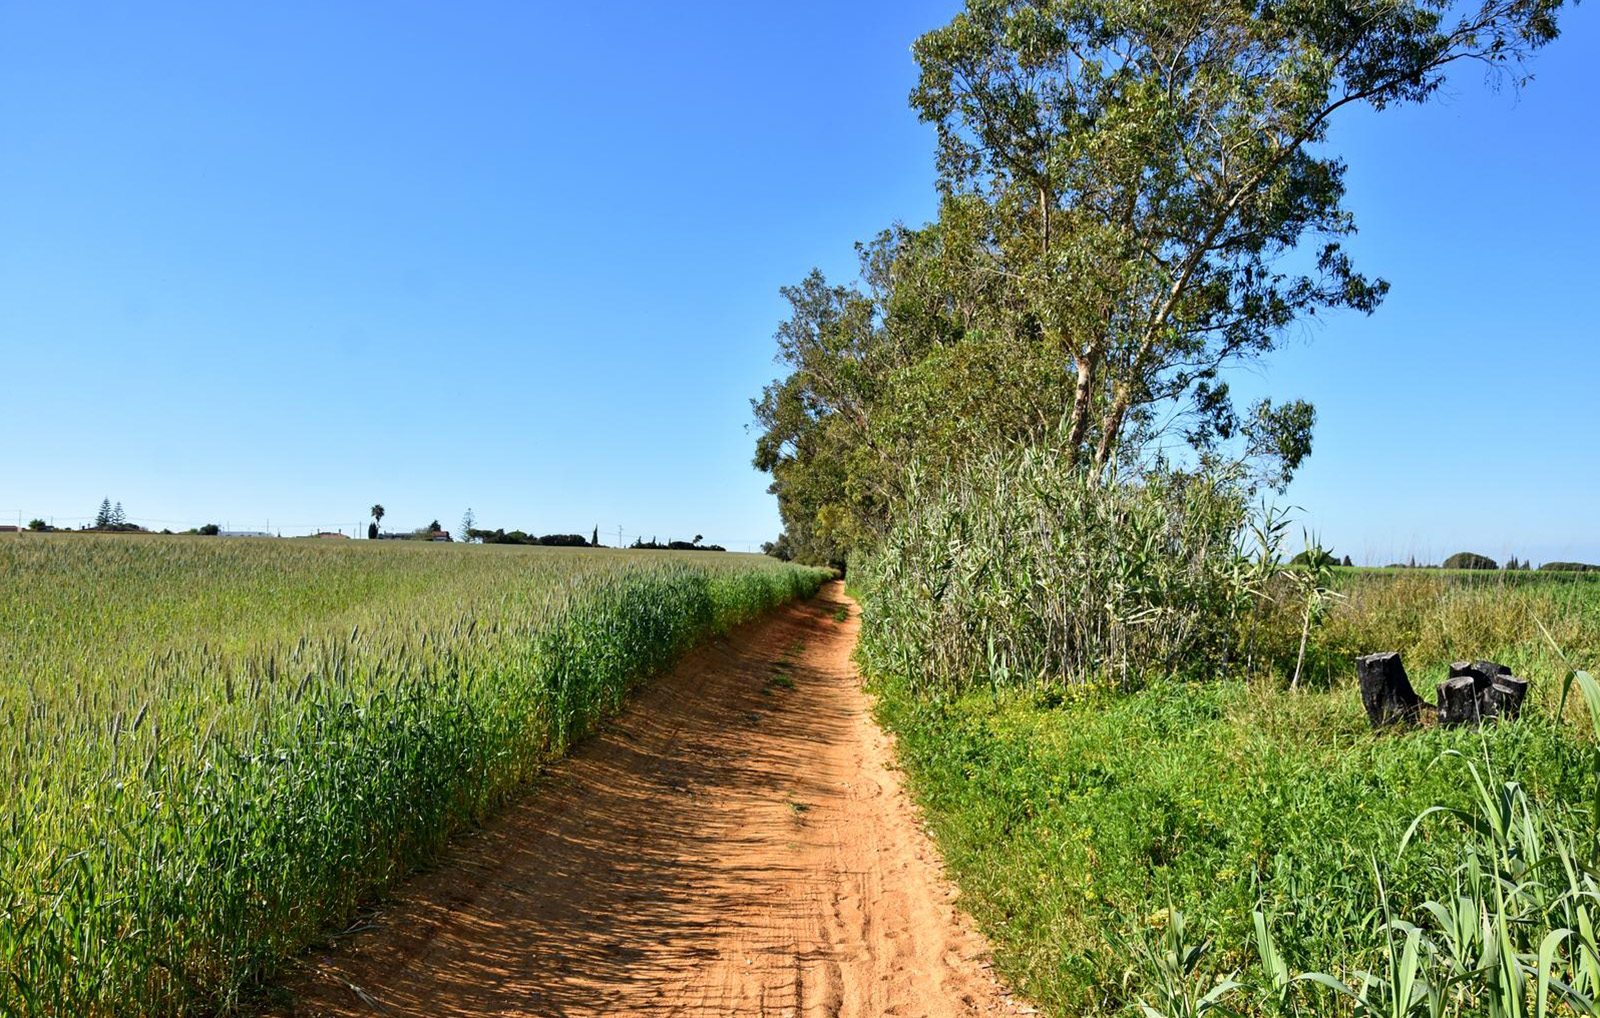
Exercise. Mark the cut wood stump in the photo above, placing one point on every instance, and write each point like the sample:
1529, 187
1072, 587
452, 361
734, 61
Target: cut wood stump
1458, 701
1507, 695
1478, 691
1386, 691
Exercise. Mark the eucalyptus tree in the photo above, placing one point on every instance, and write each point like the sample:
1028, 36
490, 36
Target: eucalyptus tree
1133, 197
1138, 172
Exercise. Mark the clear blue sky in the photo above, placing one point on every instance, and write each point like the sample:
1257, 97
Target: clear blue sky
276, 262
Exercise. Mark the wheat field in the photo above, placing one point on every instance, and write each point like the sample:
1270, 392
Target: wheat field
213, 749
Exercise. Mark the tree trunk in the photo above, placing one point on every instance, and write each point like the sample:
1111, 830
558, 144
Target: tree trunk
1479, 690
1082, 399
1113, 428
1386, 691
1458, 701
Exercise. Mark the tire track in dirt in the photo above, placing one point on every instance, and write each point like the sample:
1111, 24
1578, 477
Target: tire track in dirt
727, 846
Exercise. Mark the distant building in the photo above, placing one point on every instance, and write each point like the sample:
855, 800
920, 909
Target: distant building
333, 534
243, 533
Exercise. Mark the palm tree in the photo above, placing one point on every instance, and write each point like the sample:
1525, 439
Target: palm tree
377, 514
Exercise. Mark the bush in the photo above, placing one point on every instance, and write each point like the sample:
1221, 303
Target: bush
1469, 560
1315, 558
1071, 822
1570, 567
564, 541
1013, 569
518, 537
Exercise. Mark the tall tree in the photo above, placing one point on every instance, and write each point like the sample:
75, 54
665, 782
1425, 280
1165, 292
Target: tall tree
1133, 198
1140, 171
377, 515
469, 523
102, 519
594, 539
119, 519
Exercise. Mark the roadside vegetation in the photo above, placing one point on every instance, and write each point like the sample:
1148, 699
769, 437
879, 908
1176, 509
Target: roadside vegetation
215, 750
1081, 818
1124, 702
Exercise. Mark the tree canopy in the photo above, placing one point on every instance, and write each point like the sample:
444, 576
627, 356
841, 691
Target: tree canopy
1470, 560
1132, 199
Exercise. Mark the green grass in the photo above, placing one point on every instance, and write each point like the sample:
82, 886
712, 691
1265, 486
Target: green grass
216, 748
1077, 818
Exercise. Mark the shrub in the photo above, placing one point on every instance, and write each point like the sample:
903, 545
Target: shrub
1013, 569
1315, 558
1469, 560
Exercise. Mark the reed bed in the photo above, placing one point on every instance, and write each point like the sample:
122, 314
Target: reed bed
215, 749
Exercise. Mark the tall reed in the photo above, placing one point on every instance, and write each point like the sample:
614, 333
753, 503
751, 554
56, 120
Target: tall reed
1013, 570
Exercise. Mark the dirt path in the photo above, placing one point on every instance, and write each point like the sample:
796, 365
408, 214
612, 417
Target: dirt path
729, 846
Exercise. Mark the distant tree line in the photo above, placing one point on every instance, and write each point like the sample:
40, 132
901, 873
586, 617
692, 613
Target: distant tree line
1472, 560
694, 545
518, 537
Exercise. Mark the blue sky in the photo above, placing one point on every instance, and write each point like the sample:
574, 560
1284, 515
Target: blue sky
273, 263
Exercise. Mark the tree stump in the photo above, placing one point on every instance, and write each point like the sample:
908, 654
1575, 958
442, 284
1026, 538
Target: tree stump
1506, 696
1458, 701
1478, 691
1386, 691
1485, 672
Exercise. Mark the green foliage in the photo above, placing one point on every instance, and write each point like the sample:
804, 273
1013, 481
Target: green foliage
1009, 570
518, 537
217, 749
1569, 567
1315, 558
1431, 617
1123, 191
1080, 820
695, 545
1469, 560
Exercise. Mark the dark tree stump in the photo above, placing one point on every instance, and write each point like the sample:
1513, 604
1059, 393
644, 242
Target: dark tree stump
1385, 690
1506, 696
1459, 702
1483, 672
1478, 691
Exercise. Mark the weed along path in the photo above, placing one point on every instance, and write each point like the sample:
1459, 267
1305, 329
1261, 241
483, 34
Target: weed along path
734, 844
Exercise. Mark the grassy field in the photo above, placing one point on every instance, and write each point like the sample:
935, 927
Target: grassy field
215, 748
1080, 820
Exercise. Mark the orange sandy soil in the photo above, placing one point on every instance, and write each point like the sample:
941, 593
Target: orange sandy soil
724, 847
